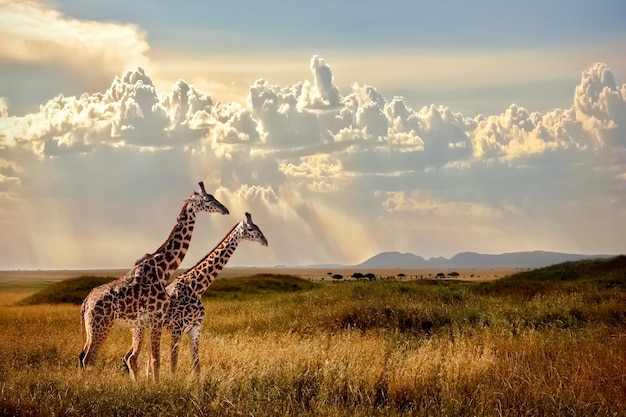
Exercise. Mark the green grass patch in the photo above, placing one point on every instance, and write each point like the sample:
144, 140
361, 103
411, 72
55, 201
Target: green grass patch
244, 287
74, 290
23, 286
600, 274
69, 291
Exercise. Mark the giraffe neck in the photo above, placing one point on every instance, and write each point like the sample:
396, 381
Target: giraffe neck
172, 252
202, 275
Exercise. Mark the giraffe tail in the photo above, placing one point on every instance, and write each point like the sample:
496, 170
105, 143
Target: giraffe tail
82, 354
82, 319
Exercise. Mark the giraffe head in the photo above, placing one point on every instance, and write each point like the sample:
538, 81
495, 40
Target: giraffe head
251, 231
203, 201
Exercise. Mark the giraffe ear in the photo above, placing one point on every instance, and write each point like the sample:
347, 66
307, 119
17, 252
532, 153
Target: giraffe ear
192, 197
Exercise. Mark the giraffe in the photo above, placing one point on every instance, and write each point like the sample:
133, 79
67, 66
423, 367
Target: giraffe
186, 312
140, 295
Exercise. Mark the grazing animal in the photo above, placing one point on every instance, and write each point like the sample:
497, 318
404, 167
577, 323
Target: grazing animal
186, 312
140, 297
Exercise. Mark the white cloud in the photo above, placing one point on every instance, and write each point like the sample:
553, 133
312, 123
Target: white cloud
425, 204
34, 32
314, 166
472, 81
600, 105
3, 108
35, 36
328, 177
322, 93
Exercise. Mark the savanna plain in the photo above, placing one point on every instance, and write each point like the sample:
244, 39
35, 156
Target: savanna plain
543, 342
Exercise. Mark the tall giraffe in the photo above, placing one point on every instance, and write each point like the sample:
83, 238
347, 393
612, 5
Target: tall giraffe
186, 312
140, 296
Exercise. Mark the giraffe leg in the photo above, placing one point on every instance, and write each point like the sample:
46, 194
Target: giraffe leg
155, 345
176, 335
96, 334
131, 357
194, 335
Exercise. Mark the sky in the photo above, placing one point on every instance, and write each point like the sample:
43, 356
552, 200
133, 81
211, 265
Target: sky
345, 128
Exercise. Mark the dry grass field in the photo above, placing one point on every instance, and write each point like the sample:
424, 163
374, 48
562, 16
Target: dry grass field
550, 342
37, 279
322, 274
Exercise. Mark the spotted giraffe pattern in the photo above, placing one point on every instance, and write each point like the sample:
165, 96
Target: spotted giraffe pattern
140, 296
186, 312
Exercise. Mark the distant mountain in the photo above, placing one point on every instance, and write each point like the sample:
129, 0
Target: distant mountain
533, 259
400, 260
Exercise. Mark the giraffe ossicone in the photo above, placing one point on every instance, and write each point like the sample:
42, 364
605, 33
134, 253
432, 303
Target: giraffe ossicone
140, 296
186, 312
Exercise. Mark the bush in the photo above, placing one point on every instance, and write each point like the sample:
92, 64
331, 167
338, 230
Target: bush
69, 291
229, 288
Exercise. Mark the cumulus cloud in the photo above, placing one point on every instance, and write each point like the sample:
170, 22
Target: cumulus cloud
600, 105
321, 93
3, 108
322, 172
328, 177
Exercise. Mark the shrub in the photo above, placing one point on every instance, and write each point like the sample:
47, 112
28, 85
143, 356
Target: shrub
70, 291
229, 288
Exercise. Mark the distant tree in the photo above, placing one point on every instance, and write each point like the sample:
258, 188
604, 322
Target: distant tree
401, 275
337, 277
370, 276
358, 275
453, 274
440, 275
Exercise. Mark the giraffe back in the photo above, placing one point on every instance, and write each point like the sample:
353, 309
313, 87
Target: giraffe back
132, 299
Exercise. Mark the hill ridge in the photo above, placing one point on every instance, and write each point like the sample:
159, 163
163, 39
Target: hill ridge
523, 259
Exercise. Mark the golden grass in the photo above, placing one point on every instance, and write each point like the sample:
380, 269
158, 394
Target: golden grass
30, 280
349, 349
321, 274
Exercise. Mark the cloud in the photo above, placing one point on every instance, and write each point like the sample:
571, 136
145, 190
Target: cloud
427, 205
3, 108
600, 105
48, 53
329, 176
322, 93
33, 32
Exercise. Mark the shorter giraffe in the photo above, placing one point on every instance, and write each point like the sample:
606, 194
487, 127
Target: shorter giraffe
186, 312
140, 297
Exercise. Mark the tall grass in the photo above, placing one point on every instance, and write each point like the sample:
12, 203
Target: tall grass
352, 348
